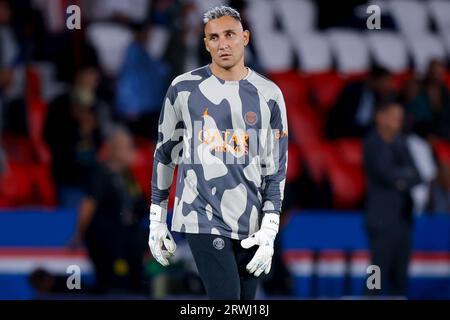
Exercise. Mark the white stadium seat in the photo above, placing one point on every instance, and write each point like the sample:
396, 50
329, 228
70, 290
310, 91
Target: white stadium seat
261, 15
446, 39
423, 48
350, 50
440, 11
410, 16
296, 16
313, 51
203, 6
274, 51
110, 41
136, 10
157, 41
388, 50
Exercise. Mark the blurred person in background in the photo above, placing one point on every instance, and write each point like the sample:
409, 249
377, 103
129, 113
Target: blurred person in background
2, 159
176, 16
409, 92
46, 283
74, 129
429, 112
8, 45
192, 39
391, 174
352, 116
109, 219
8, 54
141, 86
440, 191
9, 48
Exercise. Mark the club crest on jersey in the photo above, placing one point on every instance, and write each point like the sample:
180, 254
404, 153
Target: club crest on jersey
250, 118
218, 243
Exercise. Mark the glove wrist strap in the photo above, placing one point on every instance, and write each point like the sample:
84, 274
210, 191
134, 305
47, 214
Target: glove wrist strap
158, 213
271, 221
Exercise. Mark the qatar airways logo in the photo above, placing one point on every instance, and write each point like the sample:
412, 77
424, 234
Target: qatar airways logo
234, 141
225, 141
204, 143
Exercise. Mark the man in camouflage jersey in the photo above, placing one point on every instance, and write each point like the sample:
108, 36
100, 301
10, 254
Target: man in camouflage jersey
225, 126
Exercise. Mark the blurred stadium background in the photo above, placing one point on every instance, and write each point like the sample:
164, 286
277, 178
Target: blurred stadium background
116, 70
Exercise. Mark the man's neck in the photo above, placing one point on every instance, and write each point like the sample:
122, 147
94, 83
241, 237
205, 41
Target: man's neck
235, 73
386, 135
114, 166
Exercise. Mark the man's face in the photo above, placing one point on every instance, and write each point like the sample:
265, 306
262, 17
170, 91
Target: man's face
225, 40
383, 85
89, 78
444, 176
437, 71
391, 120
122, 149
5, 12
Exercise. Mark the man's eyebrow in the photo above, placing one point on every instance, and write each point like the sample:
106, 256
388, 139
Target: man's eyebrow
212, 34
229, 30
225, 31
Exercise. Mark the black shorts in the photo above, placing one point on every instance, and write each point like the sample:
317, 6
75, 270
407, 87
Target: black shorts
221, 264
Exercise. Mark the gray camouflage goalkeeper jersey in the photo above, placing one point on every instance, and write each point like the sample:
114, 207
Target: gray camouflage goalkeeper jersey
229, 140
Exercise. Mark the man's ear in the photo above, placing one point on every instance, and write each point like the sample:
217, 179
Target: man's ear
206, 44
246, 35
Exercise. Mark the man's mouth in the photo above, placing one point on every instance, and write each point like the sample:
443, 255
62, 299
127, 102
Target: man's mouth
225, 55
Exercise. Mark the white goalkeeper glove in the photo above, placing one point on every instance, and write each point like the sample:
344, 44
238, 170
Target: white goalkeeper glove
264, 238
160, 235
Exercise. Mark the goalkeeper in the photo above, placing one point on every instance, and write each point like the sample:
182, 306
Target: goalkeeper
225, 127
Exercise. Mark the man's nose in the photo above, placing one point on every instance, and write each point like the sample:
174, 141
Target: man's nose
223, 43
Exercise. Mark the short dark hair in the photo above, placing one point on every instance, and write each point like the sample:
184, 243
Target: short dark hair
388, 104
219, 12
377, 71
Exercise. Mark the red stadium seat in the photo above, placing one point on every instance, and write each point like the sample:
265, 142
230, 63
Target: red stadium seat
18, 149
294, 163
27, 184
442, 150
324, 88
350, 150
341, 163
143, 164
292, 85
33, 89
37, 111
304, 123
315, 155
44, 192
3, 201
447, 79
347, 183
15, 185
399, 80
36, 114
356, 76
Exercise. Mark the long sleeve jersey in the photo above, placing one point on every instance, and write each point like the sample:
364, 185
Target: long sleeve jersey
229, 140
